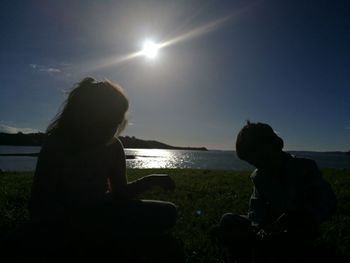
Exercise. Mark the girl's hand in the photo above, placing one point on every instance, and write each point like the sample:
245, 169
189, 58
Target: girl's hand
164, 181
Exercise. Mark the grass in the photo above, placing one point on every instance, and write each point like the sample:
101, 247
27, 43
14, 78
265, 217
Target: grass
202, 196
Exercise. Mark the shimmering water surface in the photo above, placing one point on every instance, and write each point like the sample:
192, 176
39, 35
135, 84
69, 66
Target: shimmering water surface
159, 158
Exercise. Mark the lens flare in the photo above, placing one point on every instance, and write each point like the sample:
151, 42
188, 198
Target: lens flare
150, 49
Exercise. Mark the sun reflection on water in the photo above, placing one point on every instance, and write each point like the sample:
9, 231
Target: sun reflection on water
152, 158
183, 159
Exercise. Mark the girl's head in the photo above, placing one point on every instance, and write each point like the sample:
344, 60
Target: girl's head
92, 114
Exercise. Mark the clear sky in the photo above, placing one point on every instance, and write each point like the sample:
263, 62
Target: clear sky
286, 63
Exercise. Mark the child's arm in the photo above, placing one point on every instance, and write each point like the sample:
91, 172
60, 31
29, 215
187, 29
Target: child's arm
145, 183
316, 200
124, 189
320, 200
257, 209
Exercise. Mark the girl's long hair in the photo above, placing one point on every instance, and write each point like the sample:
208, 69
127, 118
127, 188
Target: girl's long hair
92, 114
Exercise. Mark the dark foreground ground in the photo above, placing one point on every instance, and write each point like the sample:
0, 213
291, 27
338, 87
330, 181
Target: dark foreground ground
202, 196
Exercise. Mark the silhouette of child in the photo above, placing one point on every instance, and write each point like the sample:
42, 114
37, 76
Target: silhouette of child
80, 178
289, 201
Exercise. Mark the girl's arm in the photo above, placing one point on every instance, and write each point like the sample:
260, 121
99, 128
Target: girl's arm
44, 200
124, 189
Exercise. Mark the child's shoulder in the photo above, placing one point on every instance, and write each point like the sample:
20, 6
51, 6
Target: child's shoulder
302, 163
304, 169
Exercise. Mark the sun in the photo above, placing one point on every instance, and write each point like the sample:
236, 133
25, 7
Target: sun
150, 49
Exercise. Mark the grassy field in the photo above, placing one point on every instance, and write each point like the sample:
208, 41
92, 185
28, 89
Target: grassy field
202, 196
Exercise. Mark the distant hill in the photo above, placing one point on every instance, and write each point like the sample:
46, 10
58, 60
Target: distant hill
37, 139
21, 139
132, 142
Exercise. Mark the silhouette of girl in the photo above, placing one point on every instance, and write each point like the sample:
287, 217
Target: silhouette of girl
80, 175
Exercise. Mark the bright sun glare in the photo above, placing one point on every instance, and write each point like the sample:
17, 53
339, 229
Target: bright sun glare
150, 49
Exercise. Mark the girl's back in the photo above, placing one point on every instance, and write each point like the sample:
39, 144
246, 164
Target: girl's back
85, 174
66, 178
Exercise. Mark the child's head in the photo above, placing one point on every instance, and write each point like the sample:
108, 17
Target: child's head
258, 144
92, 114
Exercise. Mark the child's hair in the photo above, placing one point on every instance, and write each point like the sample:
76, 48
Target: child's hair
253, 136
93, 109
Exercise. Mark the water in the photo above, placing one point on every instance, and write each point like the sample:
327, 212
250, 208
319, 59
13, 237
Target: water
18, 163
158, 158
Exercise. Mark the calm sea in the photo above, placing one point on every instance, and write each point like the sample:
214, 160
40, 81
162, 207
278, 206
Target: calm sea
157, 158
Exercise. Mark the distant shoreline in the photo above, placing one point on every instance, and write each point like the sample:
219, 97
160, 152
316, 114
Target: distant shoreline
37, 139
179, 148
37, 154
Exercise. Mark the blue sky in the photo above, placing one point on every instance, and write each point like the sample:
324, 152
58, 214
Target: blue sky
286, 63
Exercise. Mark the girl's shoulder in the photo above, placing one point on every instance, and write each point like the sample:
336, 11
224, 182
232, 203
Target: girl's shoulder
52, 145
115, 142
115, 146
